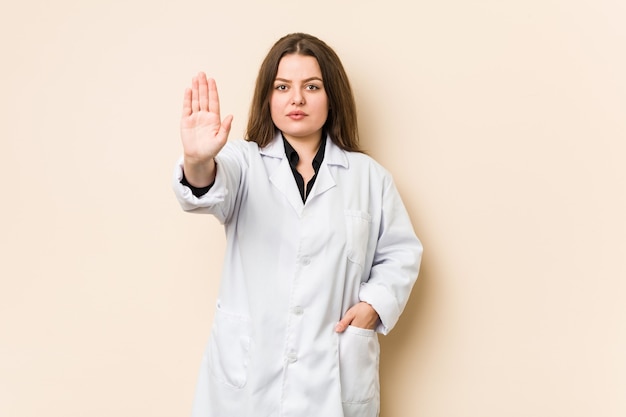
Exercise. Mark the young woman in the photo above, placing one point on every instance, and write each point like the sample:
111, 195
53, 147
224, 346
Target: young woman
321, 255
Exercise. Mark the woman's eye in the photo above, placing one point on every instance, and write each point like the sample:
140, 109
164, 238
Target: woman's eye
312, 87
281, 87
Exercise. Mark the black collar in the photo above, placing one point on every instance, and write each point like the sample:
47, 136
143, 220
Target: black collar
294, 158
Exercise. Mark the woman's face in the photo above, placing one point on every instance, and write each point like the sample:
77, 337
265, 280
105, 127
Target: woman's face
298, 102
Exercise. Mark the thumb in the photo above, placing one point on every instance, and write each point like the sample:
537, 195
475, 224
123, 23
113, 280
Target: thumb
343, 324
226, 125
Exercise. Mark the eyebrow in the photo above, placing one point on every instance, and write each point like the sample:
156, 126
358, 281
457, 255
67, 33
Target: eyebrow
307, 80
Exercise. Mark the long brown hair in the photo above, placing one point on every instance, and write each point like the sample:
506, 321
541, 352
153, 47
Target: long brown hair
341, 123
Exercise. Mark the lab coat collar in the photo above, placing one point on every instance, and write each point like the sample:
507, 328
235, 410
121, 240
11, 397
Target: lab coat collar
282, 178
334, 154
274, 149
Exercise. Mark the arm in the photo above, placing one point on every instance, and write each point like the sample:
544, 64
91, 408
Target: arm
396, 262
395, 266
207, 161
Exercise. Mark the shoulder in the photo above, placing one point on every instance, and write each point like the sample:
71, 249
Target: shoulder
238, 149
241, 145
362, 162
354, 162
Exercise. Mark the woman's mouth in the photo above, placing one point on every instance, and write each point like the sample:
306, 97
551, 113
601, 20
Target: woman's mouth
296, 115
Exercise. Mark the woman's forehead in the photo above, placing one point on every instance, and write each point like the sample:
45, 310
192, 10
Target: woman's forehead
298, 67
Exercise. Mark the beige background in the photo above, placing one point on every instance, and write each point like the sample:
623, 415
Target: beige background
503, 123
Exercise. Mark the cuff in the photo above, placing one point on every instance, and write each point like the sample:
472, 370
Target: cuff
196, 191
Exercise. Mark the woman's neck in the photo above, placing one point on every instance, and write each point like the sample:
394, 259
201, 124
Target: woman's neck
306, 147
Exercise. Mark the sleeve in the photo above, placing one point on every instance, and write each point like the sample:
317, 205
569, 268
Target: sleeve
197, 191
395, 264
220, 199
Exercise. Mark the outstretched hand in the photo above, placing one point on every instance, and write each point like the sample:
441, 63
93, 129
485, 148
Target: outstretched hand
202, 131
360, 315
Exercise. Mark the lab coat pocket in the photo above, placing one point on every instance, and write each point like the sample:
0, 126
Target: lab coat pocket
357, 234
229, 348
358, 364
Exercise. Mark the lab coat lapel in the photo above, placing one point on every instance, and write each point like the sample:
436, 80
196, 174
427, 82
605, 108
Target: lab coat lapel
325, 181
282, 177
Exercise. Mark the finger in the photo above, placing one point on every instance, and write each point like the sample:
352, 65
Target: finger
214, 98
203, 92
226, 125
345, 321
187, 102
195, 106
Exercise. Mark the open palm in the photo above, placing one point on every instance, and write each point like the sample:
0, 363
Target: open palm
203, 133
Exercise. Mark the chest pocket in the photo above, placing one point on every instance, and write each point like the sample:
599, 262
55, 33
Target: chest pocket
357, 235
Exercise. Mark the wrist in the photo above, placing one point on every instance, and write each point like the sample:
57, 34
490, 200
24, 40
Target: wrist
199, 174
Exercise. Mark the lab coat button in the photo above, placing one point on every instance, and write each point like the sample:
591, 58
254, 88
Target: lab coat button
292, 357
306, 261
297, 310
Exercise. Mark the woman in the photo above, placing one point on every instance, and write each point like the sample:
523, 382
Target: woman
321, 254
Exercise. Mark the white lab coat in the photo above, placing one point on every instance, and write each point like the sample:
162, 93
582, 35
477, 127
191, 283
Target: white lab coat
291, 271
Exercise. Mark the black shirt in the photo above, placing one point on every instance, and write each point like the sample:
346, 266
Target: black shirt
293, 158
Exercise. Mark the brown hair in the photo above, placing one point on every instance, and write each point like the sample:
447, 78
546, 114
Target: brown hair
341, 123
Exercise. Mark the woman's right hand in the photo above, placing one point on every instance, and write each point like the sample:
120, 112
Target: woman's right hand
202, 131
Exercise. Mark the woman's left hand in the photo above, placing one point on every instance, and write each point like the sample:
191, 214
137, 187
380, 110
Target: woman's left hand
360, 315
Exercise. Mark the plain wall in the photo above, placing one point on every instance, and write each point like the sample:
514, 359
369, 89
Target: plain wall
503, 123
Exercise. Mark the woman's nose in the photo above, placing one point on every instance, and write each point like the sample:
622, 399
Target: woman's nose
297, 98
